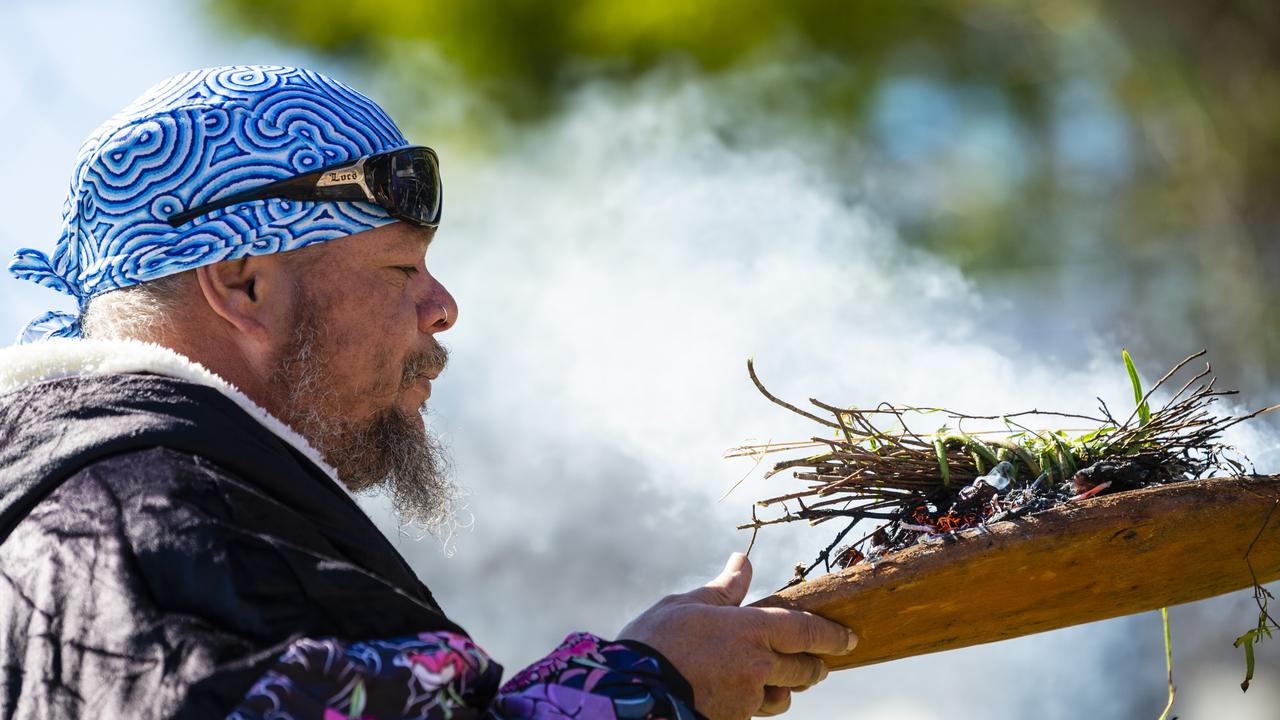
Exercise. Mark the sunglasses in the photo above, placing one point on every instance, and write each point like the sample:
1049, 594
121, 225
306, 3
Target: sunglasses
404, 182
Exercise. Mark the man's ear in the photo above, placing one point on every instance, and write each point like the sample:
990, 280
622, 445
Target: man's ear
238, 290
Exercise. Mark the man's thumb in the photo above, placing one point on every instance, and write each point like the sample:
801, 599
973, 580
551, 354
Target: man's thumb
730, 586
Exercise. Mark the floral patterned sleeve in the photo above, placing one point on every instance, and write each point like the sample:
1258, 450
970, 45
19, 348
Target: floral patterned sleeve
443, 675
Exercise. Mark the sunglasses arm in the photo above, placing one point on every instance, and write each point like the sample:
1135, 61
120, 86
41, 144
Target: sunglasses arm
320, 185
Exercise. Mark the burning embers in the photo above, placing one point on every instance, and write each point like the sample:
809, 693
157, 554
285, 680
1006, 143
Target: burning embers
876, 471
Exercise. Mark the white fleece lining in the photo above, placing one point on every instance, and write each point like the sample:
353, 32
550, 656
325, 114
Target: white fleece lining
66, 357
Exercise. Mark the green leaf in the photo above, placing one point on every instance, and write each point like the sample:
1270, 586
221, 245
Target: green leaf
978, 463
974, 445
1251, 638
1065, 458
1089, 437
1246, 641
984, 451
1144, 411
1046, 464
358, 701
940, 449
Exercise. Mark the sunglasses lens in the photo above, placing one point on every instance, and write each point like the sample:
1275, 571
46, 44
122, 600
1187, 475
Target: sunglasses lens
414, 186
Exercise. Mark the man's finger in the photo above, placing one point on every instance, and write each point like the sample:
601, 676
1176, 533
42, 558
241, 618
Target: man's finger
793, 631
777, 700
730, 586
793, 671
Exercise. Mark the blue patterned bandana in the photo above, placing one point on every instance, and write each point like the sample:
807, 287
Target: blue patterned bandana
192, 139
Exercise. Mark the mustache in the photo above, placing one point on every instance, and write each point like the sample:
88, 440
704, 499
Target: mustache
430, 361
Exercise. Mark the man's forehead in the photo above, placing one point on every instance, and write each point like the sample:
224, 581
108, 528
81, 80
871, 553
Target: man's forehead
425, 236
396, 237
412, 236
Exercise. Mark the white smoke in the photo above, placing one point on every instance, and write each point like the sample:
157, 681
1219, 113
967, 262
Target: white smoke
614, 270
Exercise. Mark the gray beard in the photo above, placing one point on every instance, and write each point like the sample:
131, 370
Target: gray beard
390, 451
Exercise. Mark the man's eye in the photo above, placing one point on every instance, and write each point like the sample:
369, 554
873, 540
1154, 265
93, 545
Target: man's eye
407, 269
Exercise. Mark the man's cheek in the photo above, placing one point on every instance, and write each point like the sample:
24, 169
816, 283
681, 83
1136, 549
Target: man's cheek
386, 372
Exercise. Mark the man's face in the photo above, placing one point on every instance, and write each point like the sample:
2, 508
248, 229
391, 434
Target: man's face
355, 374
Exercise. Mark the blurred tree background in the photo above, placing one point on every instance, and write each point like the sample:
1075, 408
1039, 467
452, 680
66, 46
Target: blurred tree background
1118, 157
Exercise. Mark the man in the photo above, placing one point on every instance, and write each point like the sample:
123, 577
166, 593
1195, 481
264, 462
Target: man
255, 341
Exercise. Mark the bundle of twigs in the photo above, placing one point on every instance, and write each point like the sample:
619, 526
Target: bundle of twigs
912, 485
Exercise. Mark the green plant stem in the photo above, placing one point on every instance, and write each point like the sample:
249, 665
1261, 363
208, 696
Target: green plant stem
1168, 660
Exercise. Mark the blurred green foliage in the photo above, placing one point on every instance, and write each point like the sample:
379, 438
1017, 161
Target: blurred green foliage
1074, 143
532, 50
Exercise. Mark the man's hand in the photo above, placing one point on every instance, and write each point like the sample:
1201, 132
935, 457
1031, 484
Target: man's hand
740, 661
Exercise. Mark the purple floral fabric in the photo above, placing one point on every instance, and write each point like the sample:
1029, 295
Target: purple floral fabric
443, 675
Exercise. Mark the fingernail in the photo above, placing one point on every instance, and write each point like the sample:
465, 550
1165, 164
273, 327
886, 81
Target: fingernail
736, 561
853, 641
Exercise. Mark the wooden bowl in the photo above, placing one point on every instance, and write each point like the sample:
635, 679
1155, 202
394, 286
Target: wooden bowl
1091, 560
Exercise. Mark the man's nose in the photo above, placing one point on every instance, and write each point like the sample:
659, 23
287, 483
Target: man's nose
438, 311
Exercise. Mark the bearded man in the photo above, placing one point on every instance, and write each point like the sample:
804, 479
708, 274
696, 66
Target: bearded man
255, 342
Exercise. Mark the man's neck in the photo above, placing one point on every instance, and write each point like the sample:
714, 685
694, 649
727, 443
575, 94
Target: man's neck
224, 358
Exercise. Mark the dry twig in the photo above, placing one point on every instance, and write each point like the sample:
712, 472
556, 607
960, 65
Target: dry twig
917, 485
